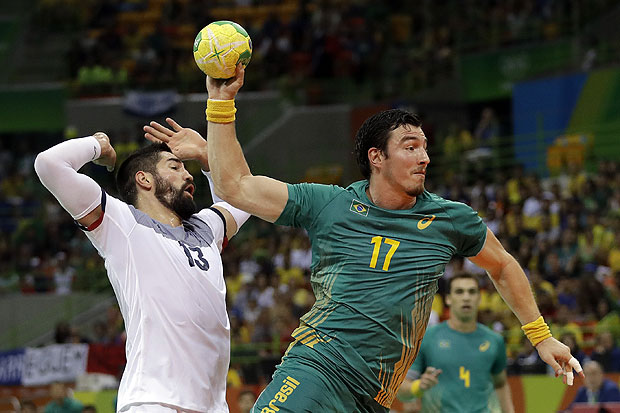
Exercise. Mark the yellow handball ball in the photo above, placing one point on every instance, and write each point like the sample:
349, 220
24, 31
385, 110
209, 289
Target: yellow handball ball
219, 46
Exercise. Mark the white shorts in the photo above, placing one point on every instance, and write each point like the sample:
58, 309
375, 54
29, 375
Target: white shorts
154, 408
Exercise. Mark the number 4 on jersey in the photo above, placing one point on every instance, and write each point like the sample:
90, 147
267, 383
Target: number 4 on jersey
464, 375
375, 253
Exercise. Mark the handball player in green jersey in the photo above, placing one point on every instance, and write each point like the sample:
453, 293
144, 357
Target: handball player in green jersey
378, 248
461, 365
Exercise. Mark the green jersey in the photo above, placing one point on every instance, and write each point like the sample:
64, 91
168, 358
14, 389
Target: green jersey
468, 362
374, 274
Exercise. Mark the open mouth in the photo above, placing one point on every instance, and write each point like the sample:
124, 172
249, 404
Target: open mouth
189, 189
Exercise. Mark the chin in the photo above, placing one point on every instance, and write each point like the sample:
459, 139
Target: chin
416, 191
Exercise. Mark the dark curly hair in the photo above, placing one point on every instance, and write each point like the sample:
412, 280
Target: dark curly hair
144, 159
375, 131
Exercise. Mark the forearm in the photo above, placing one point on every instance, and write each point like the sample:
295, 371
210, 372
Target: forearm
57, 169
505, 398
514, 287
226, 160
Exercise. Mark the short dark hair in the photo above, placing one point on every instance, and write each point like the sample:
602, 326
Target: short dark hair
374, 133
462, 276
144, 159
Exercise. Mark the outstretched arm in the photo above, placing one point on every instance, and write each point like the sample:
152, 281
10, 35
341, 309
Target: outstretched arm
259, 195
77, 193
514, 287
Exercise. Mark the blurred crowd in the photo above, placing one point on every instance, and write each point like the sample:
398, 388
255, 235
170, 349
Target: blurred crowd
394, 46
564, 230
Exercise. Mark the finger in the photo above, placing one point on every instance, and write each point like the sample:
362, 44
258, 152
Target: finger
152, 138
156, 134
556, 367
574, 363
569, 378
174, 125
161, 128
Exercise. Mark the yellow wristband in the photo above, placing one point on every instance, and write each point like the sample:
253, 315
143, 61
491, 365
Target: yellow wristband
537, 331
221, 111
415, 388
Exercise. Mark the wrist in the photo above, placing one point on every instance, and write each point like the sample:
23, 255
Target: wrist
416, 389
220, 111
537, 331
203, 157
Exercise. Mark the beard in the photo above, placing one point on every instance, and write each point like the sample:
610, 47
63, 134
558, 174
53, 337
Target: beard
416, 190
174, 199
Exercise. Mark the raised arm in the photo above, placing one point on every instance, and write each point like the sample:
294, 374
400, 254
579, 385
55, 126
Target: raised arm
259, 195
77, 193
514, 287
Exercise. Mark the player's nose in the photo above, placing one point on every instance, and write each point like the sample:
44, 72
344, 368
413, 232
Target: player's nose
425, 160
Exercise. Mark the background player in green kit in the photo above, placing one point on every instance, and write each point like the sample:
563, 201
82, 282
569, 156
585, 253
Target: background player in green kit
461, 363
378, 246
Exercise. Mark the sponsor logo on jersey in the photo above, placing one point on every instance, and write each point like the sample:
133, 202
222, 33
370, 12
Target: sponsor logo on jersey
484, 346
289, 386
444, 344
425, 222
359, 207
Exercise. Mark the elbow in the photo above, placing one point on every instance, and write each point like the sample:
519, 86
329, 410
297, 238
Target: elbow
41, 165
230, 190
227, 194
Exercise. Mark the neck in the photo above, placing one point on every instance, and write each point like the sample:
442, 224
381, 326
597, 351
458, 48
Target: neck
385, 196
463, 326
154, 209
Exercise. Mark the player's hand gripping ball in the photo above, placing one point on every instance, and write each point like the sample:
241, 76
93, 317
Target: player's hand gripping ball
219, 46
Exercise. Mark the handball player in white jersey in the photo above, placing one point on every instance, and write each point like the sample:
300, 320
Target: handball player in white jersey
163, 260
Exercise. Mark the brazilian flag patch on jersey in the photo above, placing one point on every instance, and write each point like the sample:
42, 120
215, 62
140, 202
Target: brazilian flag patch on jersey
359, 208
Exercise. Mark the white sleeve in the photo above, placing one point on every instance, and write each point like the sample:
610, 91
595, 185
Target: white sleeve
215, 198
57, 169
240, 216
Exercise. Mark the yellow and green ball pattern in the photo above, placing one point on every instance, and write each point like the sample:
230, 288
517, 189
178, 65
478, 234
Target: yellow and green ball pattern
219, 46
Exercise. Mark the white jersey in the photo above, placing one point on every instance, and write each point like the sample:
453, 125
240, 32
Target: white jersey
170, 287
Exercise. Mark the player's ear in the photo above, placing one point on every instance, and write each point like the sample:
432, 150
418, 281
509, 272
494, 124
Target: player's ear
144, 180
448, 300
375, 157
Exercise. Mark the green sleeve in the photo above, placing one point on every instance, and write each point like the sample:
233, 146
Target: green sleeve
470, 230
499, 364
305, 202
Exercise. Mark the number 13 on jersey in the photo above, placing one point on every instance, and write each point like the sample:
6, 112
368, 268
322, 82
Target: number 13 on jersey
377, 241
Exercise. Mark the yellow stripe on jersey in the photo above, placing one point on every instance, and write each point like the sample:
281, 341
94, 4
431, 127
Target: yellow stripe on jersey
411, 337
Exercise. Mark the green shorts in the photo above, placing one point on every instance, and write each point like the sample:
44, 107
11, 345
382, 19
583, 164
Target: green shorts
306, 382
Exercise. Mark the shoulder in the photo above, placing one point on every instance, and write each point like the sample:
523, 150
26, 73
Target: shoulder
491, 335
314, 190
452, 208
432, 331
